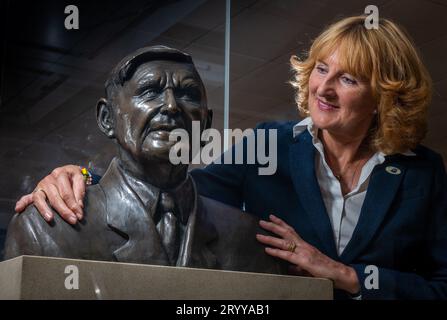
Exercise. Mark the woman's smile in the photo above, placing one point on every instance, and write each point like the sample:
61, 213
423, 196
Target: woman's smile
324, 106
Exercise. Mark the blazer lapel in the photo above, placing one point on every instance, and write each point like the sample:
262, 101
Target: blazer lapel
127, 215
383, 185
302, 167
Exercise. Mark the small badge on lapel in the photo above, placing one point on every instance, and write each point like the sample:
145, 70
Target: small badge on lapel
393, 170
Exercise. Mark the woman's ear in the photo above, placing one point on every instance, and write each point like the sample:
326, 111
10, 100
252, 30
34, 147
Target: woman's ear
104, 118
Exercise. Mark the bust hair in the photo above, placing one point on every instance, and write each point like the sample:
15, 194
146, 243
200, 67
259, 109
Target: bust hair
126, 68
389, 61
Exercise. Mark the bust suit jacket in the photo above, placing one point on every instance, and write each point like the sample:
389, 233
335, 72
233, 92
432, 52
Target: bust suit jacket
402, 228
216, 236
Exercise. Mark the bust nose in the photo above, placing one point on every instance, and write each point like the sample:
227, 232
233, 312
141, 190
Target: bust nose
170, 103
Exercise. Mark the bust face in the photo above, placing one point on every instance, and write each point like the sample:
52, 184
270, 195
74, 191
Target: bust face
161, 96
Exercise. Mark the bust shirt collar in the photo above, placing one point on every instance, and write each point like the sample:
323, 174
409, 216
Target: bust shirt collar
149, 194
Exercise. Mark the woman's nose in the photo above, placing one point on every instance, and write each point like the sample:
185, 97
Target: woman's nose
326, 88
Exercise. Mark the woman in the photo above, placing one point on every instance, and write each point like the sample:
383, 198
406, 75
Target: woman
354, 190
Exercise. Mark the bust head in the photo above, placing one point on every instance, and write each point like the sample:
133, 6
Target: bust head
150, 93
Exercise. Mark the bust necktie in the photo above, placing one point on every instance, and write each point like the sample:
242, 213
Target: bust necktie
168, 226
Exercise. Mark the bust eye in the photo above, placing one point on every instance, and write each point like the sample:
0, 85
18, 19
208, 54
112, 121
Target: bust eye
150, 92
190, 94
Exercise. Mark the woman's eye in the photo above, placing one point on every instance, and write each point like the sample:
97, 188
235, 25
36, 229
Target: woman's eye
348, 80
321, 69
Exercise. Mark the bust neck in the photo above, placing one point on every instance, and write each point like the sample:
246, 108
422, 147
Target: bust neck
158, 172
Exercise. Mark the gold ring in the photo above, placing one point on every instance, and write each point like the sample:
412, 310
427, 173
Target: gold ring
291, 246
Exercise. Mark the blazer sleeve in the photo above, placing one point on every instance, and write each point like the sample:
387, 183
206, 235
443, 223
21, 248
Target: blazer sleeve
393, 284
221, 182
225, 182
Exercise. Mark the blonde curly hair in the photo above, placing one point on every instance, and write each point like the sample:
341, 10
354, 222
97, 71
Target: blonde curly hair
389, 61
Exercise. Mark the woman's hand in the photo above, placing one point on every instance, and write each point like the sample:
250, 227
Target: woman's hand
64, 188
306, 259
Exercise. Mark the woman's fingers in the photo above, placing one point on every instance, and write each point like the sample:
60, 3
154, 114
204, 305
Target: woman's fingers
283, 224
23, 202
64, 186
306, 259
64, 189
59, 205
78, 182
79, 188
274, 228
283, 249
276, 242
284, 231
283, 254
39, 198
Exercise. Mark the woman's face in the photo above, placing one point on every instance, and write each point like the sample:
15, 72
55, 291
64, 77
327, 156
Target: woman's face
338, 102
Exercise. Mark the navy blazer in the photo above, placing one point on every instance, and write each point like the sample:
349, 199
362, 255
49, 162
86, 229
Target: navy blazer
402, 228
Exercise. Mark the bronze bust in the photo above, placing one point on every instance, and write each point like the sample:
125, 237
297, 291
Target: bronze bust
146, 209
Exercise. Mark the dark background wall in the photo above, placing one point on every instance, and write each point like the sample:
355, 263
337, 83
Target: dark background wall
51, 78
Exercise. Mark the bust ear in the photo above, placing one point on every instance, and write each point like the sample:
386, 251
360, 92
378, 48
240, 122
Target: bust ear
104, 118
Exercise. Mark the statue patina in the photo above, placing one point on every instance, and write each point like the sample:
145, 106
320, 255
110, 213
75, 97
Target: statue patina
146, 209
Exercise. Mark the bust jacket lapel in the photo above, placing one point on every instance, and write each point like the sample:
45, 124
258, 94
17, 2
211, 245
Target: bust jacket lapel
127, 215
199, 234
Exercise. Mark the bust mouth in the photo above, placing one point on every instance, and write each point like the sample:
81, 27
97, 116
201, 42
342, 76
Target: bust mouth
160, 130
163, 127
